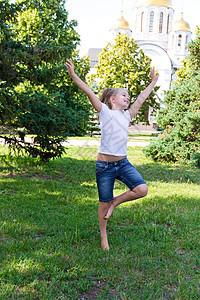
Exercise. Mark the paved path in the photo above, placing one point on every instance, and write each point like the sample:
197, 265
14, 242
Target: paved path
132, 142
94, 143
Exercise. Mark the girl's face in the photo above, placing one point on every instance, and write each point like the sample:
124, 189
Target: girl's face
121, 100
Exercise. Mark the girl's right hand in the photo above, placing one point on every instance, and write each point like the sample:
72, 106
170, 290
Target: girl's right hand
153, 75
83, 86
70, 67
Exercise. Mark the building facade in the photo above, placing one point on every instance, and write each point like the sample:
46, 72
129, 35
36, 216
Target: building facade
158, 35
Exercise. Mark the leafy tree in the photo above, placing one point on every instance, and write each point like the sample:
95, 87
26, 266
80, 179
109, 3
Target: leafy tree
123, 64
180, 118
8, 59
37, 97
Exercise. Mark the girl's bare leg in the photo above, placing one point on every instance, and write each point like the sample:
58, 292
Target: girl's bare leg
138, 192
102, 210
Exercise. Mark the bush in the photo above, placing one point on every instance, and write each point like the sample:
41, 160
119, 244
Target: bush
180, 119
170, 148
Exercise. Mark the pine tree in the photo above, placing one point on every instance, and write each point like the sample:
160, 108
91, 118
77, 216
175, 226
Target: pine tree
37, 95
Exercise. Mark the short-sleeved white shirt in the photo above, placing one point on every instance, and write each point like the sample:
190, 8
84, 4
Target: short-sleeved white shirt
114, 131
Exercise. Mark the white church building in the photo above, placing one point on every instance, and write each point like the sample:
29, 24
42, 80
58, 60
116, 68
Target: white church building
158, 35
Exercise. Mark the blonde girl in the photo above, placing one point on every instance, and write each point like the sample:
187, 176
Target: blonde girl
112, 162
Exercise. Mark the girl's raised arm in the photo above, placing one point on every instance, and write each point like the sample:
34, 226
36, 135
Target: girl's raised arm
83, 86
143, 95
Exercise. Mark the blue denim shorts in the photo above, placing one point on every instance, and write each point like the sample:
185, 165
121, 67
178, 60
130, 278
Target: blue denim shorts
108, 172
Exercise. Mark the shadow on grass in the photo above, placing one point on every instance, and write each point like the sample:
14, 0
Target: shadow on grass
67, 169
77, 171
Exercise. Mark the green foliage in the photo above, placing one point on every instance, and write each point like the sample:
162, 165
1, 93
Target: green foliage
123, 64
180, 118
37, 97
93, 124
194, 53
196, 159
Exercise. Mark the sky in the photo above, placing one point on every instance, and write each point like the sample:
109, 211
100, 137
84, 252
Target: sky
96, 17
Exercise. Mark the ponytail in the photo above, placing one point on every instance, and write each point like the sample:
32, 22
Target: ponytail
106, 95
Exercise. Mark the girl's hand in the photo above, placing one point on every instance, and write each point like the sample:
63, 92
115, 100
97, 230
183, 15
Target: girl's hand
83, 86
70, 67
153, 75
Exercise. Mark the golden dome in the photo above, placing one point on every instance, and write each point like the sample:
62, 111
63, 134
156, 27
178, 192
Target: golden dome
121, 23
166, 3
180, 25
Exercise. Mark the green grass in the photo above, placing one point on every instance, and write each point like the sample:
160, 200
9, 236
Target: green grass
50, 242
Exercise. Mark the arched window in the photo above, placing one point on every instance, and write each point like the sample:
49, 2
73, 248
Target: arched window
168, 24
173, 41
151, 21
136, 23
179, 40
142, 17
161, 22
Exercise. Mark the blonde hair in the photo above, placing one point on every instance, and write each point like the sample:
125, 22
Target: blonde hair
107, 94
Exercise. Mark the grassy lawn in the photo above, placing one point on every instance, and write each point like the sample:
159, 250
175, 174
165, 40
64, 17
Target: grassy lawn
50, 242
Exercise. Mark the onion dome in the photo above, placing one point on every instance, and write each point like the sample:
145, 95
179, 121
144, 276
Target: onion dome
180, 25
121, 23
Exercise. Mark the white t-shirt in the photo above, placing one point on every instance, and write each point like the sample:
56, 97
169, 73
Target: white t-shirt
114, 131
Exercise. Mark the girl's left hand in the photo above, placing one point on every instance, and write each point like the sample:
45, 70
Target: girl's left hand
69, 67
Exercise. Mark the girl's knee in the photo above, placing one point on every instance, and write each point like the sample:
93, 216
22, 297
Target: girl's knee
141, 190
144, 190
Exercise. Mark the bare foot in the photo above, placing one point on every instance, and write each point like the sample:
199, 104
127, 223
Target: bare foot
110, 211
104, 244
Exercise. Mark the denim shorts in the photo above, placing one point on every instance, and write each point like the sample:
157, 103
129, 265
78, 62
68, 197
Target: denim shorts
108, 172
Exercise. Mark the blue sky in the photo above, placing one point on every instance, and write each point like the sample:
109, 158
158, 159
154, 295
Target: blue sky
95, 18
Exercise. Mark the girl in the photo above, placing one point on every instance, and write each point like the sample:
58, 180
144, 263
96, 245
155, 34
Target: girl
112, 162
